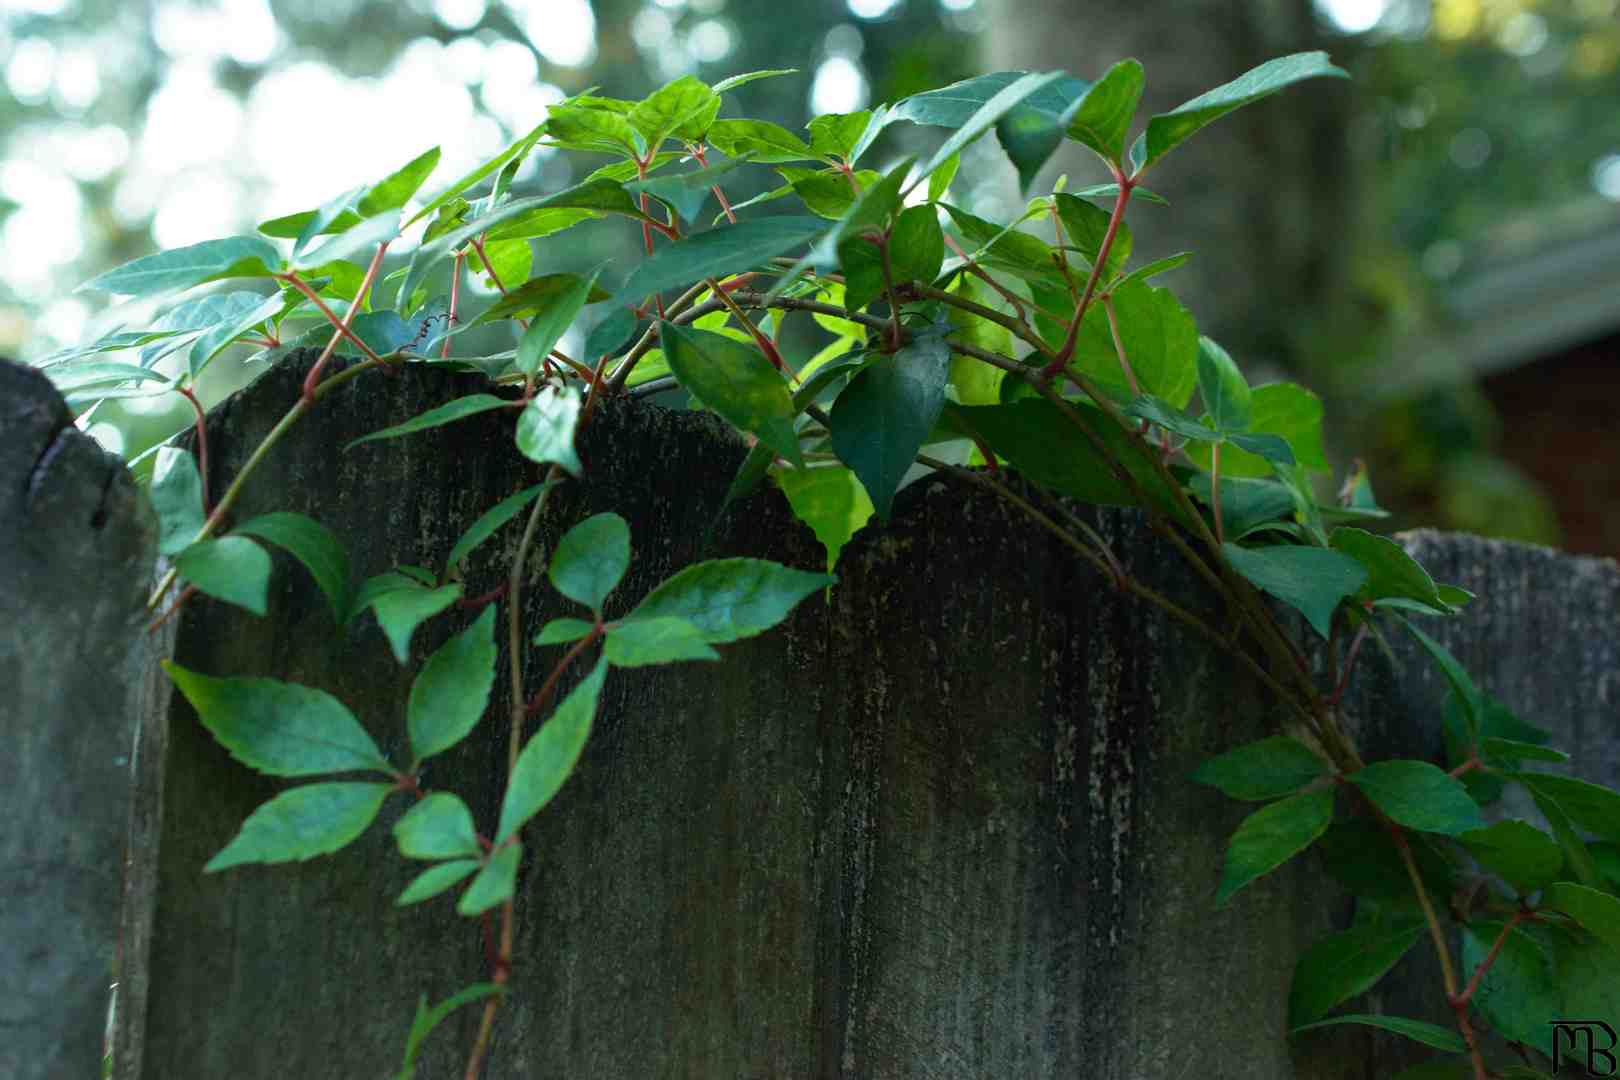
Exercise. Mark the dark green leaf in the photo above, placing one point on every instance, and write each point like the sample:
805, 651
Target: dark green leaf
1606, 861
550, 321
1421, 1031
665, 640
549, 758
1158, 411
685, 193
737, 382
491, 521
458, 409
1579, 858
562, 631
1271, 836
591, 559
1263, 770
1168, 130
312, 544
730, 599
1246, 505
720, 251
181, 268
176, 493
1274, 448
1311, 580
435, 880
1511, 751
400, 611
494, 883
1282, 409
1102, 116
233, 569
1222, 386
1361, 856
994, 108
1518, 994
316, 819
1590, 806
1340, 966
1517, 852
1419, 796
1391, 572
449, 695
613, 335
1468, 694
883, 417
546, 426
1006, 249
1597, 912
1029, 131
1086, 226
438, 827
916, 246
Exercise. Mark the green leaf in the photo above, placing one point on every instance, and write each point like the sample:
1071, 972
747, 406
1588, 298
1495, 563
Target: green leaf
324, 218
665, 640
1391, 572
685, 193
836, 135
1591, 806
591, 559
279, 728
396, 189
1518, 994
450, 694
1004, 248
758, 140
364, 236
400, 611
1468, 695
1222, 386
1419, 796
735, 81
1160, 341
1361, 856
601, 131
490, 521
1418, 1030
1281, 409
312, 544
1271, 836
233, 569
1597, 912
1274, 448
1167, 131
546, 426
435, 880
1340, 966
1606, 860
985, 116
684, 108
916, 245
510, 261
940, 182
736, 248
459, 409
239, 313
614, 335
1158, 411
883, 417
176, 493
535, 223
1247, 506
427, 1019
1517, 852
438, 827
562, 631
1262, 770
516, 151
1087, 225
1153, 269
316, 819
182, 268
824, 192
537, 295
494, 883
830, 500
549, 758
730, 599
550, 322
68, 378
1102, 116
1578, 857
737, 382
1311, 580
1511, 751
1029, 131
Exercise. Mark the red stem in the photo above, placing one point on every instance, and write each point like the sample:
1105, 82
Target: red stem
313, 379
539, 700
1120, 202
202, 445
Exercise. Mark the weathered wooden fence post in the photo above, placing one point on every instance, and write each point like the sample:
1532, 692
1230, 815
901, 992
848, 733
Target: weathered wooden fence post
76, 548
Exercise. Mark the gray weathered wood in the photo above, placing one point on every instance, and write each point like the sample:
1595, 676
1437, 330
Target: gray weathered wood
938, 825
76, 548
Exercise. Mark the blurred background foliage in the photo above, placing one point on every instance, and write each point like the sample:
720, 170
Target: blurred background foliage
1475, 160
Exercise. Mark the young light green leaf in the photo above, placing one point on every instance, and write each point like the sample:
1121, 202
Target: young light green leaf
182, 268
551, 321
594, 130
435, 880
1309, 579
545, 428
940, 182
312, 544
736, 248
490, 521
883, 417
835, 135
1102, 116
316, 819
1517, 852
737, 382
450, 694
1419, 796
1262, 770
400, 611
1418, 1030
549, 758
233, 569
1223, 388
735, 81
730, 599
1391, 572
279, 728
438, 827
1340, 966
758, 140
494, 883
459, 409
1271, 836
683, 108
396, 189
510, 260
563, 631
591, 559
176, 493
1282, 409
828, 499
665, 640
1160, 340
1168, 130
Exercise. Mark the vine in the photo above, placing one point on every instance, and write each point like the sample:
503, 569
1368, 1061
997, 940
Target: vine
958, 344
